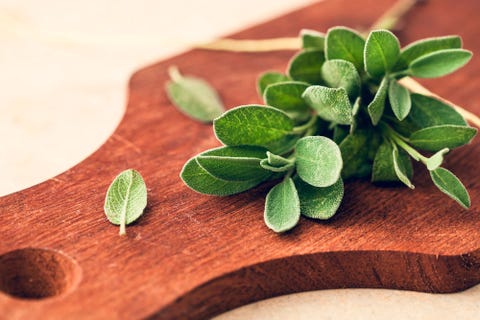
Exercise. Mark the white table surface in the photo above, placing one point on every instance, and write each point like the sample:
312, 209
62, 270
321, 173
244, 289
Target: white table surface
64, 67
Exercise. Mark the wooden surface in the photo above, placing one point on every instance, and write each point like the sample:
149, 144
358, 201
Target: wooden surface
194, 256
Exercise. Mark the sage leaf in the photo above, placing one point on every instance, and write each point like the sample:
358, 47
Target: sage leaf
345, 44
276, 160
306, 66
422, 47
318, 161
428, 112
234, 163
278, 168
282, 207
443, 136
376, 107
199, 180
383, 166
319, 203
331, 104
287, 96
436, 160
194, 96
400, 169
312, 39
399, 98
268, 78
339, 133
126, 199
382, 49
254, 125
449, 184
355, 109
354, 149
439, 63
342, 74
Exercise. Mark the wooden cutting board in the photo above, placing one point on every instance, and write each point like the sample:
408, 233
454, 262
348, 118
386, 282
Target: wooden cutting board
194, 256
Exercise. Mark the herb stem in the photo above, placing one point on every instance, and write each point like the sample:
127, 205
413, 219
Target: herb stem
402, 143
392, 16
174, 73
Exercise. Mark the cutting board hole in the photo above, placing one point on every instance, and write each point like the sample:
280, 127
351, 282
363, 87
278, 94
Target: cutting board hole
34, 273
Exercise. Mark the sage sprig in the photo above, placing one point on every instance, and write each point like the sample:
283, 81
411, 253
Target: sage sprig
338, 112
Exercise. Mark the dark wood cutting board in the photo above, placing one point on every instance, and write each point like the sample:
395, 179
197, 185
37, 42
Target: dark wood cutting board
194, 256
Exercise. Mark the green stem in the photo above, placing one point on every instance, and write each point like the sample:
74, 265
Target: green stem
174, 73
401, 142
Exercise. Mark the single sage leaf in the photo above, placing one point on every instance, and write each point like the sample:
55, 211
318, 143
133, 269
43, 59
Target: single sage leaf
318, 161
345, 44
312, 39
276, 168
400, 169
449, 184
282, 207
319, 203
199, 180
399, 98
382, 49
376, 107
254, 125
276, 160
439, 63
355, 109
126, 199
383, 166
340, 133
428, 112
436, 160
268, 78
443, 136
287, 96
306, 66
194, 97
355, 148
422, 47
331, 104
342, 74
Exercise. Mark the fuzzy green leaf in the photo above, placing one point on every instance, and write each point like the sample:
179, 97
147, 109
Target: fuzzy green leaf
355, 149
318, 161
276, 160
312, 39
400, 168
376, 107
399, 98
282, 207
439, 63
436, 160
287, 96
429, 112
331, 104
449, 184
382, 49
444, 136
268, 78
342, 74
279, 168
306, 66
126, 199
345, 44
383, 167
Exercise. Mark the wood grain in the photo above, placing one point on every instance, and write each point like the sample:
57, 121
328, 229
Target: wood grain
193, 256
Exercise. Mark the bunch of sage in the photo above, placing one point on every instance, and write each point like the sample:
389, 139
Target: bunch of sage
338, 112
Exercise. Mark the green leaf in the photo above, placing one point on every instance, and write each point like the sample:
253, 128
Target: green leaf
318, 161
383, 166
306, 66
345, 44
319, 203
400, 168
331, 104
439, 63
254, 125
422, 47
449, 184
282, 207
312, 39
444, 136
234, 163
381, 52
199, 180
355, 109
339, 133
376, 107
279, 168
193, 96
287, 96
436, 160
276, 160
355, 149
268, 78
399, 98
429, 112
126, 199
342, 74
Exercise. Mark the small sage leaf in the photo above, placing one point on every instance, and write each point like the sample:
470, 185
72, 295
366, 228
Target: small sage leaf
331, 104
449, 184
345, 44
287, 96
354, 149
399, 98
194, 97
264, 163
306, 66
282, 207
400, 169
436, 160
312, 39
382, 49
342, 74
268, 78
318, 161
126, 199
276, 160
376, 107
439, 63
429, 112
355, 109
383, 166
444, 136
319, 203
